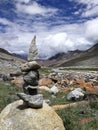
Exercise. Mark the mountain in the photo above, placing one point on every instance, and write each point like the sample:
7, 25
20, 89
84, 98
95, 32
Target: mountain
22, 56
60, 58
8, 62
4, 51
88, 58
65, 55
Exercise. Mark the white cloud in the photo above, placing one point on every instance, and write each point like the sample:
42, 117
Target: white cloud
34, 9
49, 40
18, 52
90, 10
92, 30
87, 2
61, 42
24, 1
4, 21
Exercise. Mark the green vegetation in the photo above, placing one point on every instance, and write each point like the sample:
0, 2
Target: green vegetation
94, 104
74, 118
58, 100
45, 71
81, 69
7, 93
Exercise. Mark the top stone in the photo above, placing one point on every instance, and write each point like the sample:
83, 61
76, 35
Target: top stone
33, 51
32, 65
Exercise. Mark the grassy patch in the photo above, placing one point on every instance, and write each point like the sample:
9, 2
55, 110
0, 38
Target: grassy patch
45, 71
7, 93
94, 104
80, 69
72, 117
58, 100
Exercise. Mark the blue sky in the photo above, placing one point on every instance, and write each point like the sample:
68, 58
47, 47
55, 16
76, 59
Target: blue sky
60, 25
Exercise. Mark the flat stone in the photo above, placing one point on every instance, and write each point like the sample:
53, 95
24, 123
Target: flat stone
32, 65
35, 101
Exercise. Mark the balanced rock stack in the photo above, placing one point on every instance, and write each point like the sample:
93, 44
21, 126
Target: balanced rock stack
31, 77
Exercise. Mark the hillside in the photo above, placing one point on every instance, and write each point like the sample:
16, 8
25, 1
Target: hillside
88, 58
8, 62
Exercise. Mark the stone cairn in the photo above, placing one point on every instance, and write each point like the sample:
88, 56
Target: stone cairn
31, 76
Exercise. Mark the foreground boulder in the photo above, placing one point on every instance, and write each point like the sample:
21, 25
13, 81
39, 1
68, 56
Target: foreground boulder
16, 116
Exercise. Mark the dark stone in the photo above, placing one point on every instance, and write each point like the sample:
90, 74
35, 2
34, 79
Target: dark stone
18, 73
31, 78
7, 78
32, 91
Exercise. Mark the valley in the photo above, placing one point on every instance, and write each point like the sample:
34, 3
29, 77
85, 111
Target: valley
57, 80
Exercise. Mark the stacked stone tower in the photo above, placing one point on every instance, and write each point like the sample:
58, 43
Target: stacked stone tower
31, 77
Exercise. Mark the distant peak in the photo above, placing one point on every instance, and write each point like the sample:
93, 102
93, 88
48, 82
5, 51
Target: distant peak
2, 50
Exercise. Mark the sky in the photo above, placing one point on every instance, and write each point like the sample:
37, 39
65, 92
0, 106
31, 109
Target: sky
59, 25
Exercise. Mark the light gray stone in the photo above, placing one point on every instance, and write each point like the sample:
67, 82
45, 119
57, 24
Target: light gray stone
25, 67
54, 90
35, 101
16, 116
33, 51
33, 65
47, 101
75, 94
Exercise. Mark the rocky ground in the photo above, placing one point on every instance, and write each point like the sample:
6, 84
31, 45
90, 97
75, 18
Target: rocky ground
64, 89
9, 64
65, 81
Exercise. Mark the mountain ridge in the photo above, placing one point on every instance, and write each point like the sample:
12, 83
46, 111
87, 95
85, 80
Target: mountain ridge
75, 58
8, 62
71, 58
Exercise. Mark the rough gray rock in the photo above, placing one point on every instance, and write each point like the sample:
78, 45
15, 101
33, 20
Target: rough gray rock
75, 94
35, 101
16, 116
16, 74
33, 65
33, 52
31, 78
24, 67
